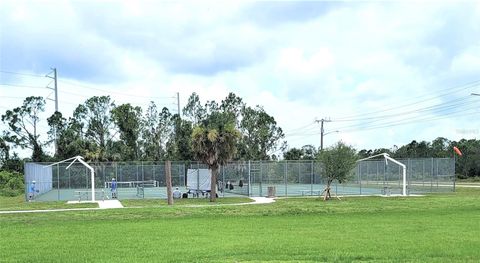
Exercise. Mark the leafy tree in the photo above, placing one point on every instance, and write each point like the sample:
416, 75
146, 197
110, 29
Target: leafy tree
338, 161
156, 132
364, 153
440, 148
414, 150
293, 154
57, 124
23, 124
11, 183
309, 152
233, 104
4, 152
70, 141
260, 134
214, 143
179, 146
129, 121
194, 111
13, 164
95, 116
469, 164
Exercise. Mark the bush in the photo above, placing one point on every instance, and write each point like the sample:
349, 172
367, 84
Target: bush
11, 183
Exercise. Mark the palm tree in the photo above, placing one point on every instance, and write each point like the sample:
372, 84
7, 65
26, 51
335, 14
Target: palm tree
214, 143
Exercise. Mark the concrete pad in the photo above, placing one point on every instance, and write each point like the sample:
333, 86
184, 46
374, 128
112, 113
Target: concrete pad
262, 200
81, 202
109, 204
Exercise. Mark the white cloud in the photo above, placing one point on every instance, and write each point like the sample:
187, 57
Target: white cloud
301, 61
468, 61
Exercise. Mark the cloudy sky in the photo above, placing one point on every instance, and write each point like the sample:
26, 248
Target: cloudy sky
384, 73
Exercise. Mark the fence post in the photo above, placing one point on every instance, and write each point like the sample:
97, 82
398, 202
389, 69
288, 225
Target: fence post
299, 181
58, 181
311, 177
261, 178
168, 179
143, 173
423, 172
431, 177
223, 180
454, 173
360, 176
249, 178
285, 177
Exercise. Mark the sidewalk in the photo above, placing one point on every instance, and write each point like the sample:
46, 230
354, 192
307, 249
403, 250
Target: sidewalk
112, 204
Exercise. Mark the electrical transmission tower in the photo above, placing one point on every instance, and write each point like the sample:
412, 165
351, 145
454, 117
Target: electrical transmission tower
55, 89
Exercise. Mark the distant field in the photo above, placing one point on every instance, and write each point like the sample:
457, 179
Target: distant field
435, 228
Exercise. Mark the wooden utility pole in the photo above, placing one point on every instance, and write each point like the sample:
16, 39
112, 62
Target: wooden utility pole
322, 131
168, 178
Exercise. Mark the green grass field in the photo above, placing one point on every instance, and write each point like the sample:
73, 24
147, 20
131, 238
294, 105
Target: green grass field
18, 203
435, 228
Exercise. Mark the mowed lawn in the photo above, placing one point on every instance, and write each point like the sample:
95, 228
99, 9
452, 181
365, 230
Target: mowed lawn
435, 228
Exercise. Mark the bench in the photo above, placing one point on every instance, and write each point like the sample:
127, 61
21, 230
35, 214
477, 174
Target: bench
84, 193
311, 192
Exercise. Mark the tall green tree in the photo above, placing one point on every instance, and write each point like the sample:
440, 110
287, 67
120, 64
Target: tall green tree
468, 165
157, 130
94, 117
23, 126
4, 152
70, 138
338, 162
194, 111
214, 142
440, 148
309, 152
129, 122
179, 146
260, 134
233, 105
293, 154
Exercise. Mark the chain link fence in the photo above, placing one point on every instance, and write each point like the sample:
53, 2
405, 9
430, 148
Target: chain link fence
240, 178
135, 180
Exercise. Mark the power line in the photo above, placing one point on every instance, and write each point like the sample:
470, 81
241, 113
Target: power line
460, 111
135, 103
22, 74
116, 92
21, 86
407, 121
435, 109
451, 91
410, 111
12, 97
300, 128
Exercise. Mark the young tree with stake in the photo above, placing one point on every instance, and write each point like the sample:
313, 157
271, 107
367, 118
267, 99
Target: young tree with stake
338, 161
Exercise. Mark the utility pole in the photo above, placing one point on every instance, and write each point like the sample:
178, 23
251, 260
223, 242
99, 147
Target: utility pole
56, 100
178, 105
55, 86
322, 131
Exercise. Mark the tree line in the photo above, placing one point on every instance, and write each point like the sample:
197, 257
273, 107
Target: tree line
467, 165
101, 130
